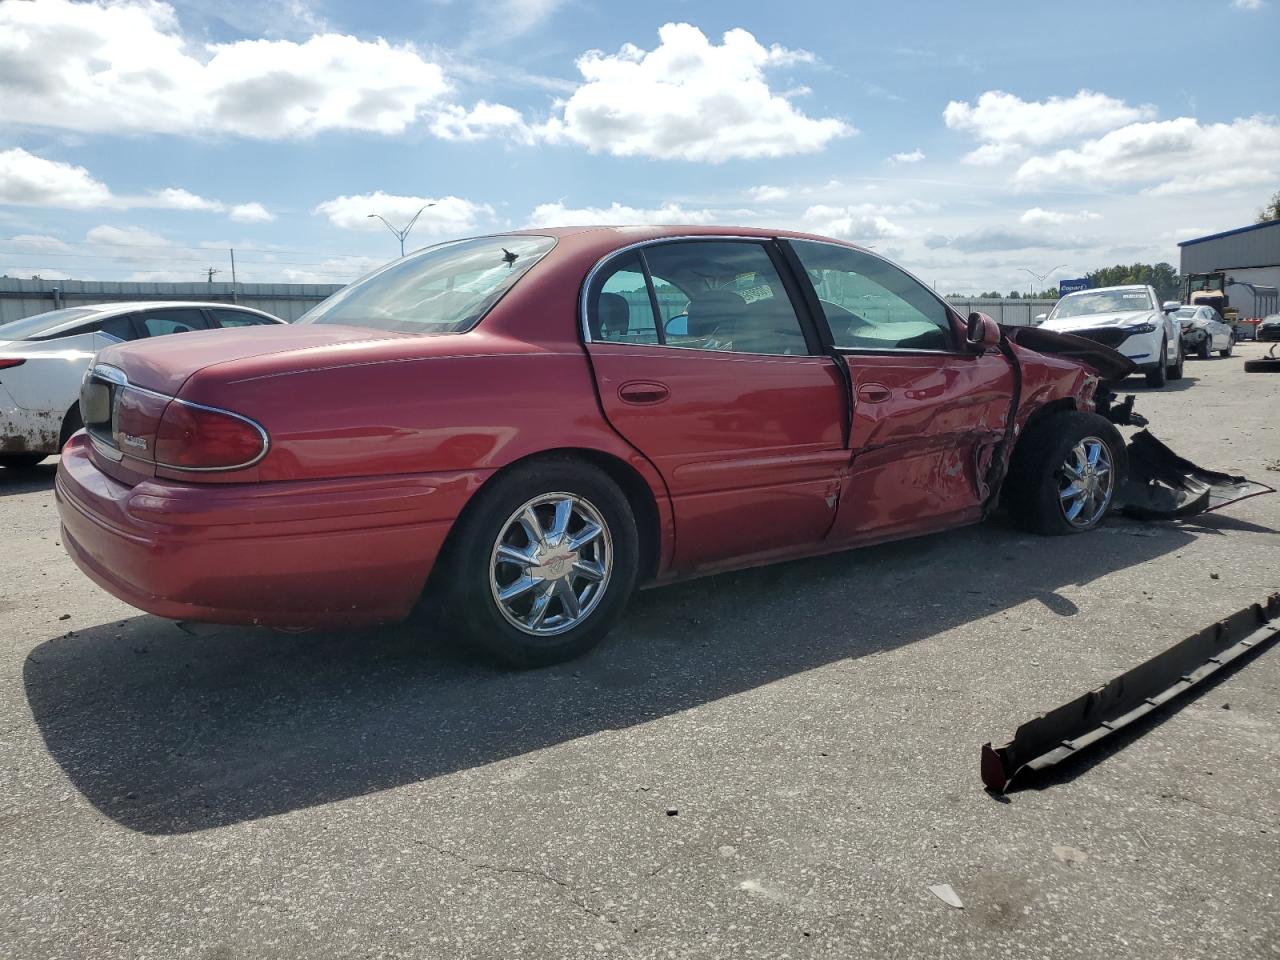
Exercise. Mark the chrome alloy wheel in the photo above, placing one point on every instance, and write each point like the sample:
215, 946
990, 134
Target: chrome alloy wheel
1086, 482
551, 564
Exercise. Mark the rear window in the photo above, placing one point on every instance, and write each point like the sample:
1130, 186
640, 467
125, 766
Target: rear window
34, 327
443, 289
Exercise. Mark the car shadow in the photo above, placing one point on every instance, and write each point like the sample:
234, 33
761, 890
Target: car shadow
1136, 384
28, 479
168, 732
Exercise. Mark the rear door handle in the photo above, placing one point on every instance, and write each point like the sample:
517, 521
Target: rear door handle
643, 392
874, 393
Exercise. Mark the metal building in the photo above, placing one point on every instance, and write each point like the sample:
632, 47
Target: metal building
1247, 255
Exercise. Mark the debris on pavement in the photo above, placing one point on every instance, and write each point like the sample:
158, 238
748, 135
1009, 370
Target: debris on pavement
948, 896
1066, 730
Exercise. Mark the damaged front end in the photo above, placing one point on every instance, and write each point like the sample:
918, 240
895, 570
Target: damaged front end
1159, 484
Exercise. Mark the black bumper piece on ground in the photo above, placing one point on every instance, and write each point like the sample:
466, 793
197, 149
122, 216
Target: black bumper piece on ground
1065, 731
1163, 486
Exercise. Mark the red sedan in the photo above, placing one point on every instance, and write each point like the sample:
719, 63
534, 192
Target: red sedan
529, 425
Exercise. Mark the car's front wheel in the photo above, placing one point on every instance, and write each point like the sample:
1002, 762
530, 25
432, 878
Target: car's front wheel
1158, 374
543, 563
1065, 474
1231, 342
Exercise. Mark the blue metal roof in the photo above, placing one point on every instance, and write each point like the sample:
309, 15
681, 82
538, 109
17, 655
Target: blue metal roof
1231, 233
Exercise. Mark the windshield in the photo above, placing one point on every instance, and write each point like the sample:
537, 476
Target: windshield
1101, 301
29, 328
443, 289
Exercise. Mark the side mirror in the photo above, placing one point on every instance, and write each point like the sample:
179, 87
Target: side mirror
1039, 318
983, 333
1171, 305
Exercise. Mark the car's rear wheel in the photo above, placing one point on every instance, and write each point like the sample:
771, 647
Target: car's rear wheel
1065, 474
70, 424
21, 461
1176, 371
1204, 349
543, 563
1157, 376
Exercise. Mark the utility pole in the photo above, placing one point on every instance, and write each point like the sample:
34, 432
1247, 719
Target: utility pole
1041, 277
232, 251
212, 271
401, 234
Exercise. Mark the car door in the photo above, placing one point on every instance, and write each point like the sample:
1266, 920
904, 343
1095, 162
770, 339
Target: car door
736, 407
926, 412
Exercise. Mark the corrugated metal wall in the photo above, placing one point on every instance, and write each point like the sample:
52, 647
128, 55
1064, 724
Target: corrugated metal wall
24, 298
1251, 248
1015, 313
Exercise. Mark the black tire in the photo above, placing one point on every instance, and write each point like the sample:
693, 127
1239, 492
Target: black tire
463, 573
70, 424
1158, 376
1262, 365
1230, 344
21, 461
1031, 489
1176, 371
1204, 349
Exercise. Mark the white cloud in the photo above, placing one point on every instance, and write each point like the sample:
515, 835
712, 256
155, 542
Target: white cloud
107, 235
1000, 117
689, 99
1038, 217
251, 213
1184, 154
616, 214
861, 222
126, 67
504, 20
28, 180
991, 154
39, 243
915, 156
1248, 4
767, 194
481, 121
449, 215
989, 239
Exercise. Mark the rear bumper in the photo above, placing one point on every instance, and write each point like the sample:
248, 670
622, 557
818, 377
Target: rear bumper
27, 431
310, 553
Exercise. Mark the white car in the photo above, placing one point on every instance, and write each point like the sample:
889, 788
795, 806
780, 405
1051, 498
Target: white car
1128, 319
43, 359
1204, 331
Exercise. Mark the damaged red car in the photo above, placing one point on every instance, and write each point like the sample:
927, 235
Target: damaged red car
528, 426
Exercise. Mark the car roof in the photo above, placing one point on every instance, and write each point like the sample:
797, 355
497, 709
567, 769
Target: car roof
101, 311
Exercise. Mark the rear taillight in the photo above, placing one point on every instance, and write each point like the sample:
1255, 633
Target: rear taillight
192, 437
5, 364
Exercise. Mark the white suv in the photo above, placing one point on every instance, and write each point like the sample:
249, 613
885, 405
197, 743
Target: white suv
1128, 319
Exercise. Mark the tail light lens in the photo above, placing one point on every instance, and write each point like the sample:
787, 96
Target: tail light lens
5, 364
191, 437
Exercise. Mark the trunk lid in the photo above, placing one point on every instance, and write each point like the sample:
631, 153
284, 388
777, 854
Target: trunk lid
163, 364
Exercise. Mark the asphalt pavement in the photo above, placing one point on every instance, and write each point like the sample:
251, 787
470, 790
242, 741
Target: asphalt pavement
777, 763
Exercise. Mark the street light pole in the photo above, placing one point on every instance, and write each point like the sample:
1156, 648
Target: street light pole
1042, 277
401, 234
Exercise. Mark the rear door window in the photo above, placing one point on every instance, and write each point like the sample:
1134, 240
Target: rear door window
237, 318
119, 328
160, 323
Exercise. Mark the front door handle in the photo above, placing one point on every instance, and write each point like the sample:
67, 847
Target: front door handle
874, 392
643, 392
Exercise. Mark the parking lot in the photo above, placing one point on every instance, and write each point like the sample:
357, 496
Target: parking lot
774, 763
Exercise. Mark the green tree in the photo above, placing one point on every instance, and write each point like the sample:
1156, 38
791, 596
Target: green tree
1272, 210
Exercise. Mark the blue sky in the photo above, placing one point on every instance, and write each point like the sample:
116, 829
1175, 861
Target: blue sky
972, 142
